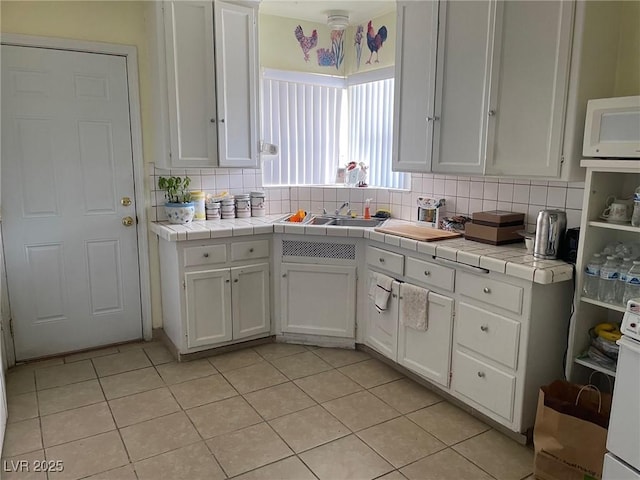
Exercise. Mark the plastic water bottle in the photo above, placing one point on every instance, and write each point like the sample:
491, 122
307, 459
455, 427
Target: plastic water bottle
632, 286
608, 278
592, 276
635, 216
626, 265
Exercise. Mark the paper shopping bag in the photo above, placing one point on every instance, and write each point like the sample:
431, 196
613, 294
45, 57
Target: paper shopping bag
570, 432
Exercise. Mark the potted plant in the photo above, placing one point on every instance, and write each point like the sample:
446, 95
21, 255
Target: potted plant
179, 208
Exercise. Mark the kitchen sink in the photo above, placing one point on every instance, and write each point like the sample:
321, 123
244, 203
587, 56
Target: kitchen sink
357, 222
338, 221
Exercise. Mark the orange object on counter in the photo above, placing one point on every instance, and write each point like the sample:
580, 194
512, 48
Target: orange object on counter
298, 216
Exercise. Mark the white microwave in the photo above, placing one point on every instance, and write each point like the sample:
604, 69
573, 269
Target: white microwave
612, 128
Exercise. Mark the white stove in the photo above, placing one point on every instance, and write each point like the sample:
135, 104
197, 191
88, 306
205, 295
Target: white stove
623, 440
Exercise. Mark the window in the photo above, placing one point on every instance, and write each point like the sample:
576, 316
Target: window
321, 122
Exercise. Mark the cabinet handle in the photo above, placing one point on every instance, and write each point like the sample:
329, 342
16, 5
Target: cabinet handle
235, 280
284, 275
491, 113
486, 290
427, 273
393, 295
222, 120
226, 281
213, 120
484, 328
206, 255
433, 119
251, 250
481, 374
381, 260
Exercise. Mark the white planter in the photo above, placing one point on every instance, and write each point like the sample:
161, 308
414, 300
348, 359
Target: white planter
179, 213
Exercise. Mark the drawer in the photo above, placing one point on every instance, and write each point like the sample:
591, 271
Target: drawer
430, 273
492, 292
249, 250
489, 334
485, 385
385, 260
205, 255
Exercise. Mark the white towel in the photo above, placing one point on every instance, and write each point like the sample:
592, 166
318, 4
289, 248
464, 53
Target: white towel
383, 291
373, 284
414, 307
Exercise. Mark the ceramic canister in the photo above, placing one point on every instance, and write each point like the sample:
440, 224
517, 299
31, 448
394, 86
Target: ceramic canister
258, 207
213, 210
243, 205
228, 208
198, 199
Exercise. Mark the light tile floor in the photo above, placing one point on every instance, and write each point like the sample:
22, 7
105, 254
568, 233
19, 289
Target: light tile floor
276, 411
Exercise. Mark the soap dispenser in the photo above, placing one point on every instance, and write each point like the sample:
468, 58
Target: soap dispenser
367, 208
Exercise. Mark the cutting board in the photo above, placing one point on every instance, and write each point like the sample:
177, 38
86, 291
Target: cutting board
416, 232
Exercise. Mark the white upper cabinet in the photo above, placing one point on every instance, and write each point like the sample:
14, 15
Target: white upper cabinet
237, 84
529, 80
416, 45
211, 84
465, 37
511, 84
188, 28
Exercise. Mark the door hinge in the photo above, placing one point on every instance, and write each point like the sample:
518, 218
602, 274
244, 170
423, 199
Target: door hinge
170, 156
11, 327
184, 284
562, 160
450, 377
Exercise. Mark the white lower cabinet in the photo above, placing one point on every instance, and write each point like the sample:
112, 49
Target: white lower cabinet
381, 331
214, 292
318, 299
208, 307
428, 353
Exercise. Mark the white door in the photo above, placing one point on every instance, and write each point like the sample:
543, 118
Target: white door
428, 353
382, 326
250, 300
67, 172
208, 307
318, 299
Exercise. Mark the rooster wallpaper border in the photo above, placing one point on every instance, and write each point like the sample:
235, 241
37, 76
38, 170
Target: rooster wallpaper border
331, 56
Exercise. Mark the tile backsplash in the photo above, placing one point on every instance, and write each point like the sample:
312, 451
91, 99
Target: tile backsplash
463, 195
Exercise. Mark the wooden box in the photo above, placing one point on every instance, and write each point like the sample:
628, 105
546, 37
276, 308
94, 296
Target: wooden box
493, 235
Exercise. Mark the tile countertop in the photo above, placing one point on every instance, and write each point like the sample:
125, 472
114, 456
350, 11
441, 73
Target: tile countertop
511, 260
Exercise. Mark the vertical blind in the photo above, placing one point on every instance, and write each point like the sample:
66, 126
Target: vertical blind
371, 131
303, 119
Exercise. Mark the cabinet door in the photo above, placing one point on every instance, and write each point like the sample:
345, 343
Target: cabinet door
529, 83
428, 353
190, 83
465, 40
237, 84
250, 300
417, 31
381, 331
318, 299
208, 307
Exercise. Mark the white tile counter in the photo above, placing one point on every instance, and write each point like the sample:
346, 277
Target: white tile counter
509, 259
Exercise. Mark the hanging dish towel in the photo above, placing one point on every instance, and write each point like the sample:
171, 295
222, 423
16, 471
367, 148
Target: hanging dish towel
414, 307
383, 291
373, 285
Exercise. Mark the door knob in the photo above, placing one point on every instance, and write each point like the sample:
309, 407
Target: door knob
125, 201
127, 221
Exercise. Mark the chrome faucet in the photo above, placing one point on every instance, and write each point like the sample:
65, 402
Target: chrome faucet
344, 205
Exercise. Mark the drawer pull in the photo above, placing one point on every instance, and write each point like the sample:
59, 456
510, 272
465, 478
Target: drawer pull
484, 328
251, 250
394, 295
206, 255
486, 290
481, 374
427, 273
381, 260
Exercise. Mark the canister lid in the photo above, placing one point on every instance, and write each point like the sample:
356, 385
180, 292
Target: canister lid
242, 196
195, 194
258, 194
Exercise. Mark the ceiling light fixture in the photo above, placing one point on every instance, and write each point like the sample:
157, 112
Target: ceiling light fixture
338, 20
